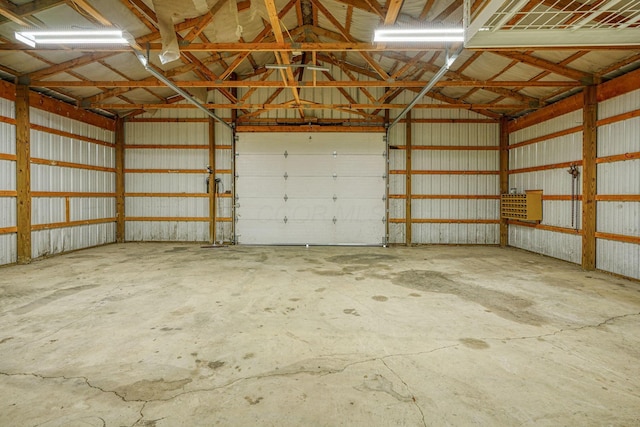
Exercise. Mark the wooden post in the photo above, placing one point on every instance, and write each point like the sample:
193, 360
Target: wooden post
504, 177
212, 181
23, 174
589, 155
120, 200
407, 208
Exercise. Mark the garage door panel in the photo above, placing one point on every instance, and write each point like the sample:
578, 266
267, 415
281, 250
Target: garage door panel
328, 189
360, 232
248, 186
261, 165
355, 209
359, 165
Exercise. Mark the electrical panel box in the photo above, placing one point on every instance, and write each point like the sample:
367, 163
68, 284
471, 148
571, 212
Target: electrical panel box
525, 207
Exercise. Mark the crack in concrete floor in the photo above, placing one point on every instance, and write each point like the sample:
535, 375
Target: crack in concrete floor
322, 372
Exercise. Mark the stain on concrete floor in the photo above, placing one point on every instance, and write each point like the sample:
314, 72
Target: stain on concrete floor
503, 304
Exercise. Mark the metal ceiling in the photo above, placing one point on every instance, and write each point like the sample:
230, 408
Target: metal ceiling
225, 50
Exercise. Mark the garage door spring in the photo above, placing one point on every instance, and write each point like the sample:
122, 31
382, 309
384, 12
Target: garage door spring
573, 170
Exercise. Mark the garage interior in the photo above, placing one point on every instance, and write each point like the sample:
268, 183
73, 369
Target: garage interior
250, 212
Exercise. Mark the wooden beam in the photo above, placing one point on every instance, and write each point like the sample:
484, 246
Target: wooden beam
393, 10
418, 84
407, 209
23, 174
212, 181
9, 11
589, 176
91, 11
28, 9
349, 38
120, 195
580, 76
504, 176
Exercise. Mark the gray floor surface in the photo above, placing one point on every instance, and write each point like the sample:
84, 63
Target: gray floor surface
178, 335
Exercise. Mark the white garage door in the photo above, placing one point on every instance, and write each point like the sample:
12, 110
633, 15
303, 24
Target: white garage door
310, 188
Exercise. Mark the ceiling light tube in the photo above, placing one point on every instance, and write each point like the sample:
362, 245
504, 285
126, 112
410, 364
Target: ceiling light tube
419, 35
286, 66
34, 38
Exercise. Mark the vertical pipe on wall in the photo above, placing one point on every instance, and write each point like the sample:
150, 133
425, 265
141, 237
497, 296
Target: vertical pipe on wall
408, 180
23, 174
120, 220
504, 176
589, 154
213, 188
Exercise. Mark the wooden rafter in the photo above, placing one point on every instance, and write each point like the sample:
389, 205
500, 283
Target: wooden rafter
393, 10
425, 10
216, 83
92, 12
283, 58
367, 6
348, 37
10, 11
26, 10
203, 21
548, 66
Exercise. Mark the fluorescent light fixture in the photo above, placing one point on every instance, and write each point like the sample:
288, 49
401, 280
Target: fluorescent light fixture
306, 66
419, 35
34, 38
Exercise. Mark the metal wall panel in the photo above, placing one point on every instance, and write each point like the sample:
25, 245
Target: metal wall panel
567, 148
88, 208
58, 240
447, 135
63, 179
224, 161
8, 249
621, 178
171, 133
558, 245
167, 133
618, 257
167, 206
558, 213
619, 105
456, 234
619, 137
162, 231
50, 178
557, 124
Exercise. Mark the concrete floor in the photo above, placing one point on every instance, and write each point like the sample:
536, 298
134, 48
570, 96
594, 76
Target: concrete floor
177, 335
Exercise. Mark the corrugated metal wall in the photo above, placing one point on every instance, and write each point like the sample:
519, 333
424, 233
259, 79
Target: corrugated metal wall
618, 200
543, 165
454, 178
165, 173
72, 184
8, 250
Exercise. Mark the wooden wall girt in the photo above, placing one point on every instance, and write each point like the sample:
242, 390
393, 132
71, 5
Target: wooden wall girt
23, 174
